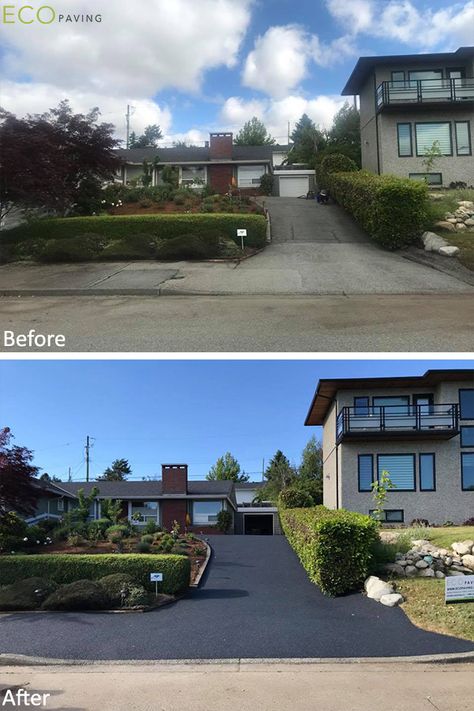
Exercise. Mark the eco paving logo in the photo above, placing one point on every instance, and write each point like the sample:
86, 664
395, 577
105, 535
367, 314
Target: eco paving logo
43, 15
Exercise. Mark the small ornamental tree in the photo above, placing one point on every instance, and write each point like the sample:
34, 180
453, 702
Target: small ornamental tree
224, 520
380, 491
85, 503
18, 488
431, 155
111, 510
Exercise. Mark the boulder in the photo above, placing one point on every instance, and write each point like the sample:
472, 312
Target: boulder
439, 574
469, 222
411, 571
468, 562
462, 548
426, 573
375, 588
448, 251
445, 225
466, 203
421, 564
432, 242
459, 227
395, 568
452, 573
391, 600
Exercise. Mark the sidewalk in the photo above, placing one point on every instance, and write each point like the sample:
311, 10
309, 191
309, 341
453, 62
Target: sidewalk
247, 686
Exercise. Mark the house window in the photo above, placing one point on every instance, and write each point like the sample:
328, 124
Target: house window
466, 404
144, 511
398, 76
427, 74
60, 504
205, 512
463, 138
249, 175
430, 178
467, 471
395, 405
365, 467
428, 133
404, 140
193, 175
427, 472
401, 469
390, 515
467, 436
361, 406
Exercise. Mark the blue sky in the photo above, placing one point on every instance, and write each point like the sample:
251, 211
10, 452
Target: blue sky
151, 412
194, 66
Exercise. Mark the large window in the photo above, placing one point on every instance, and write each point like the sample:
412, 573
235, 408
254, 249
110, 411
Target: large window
428, 133
206, 511
427, 472
193, 175
467, 471
144, 511
463, 138
404, 140
467, 436
401, 469
361, 406
390, 515
365, 472
466, 402
425, 74
397, 405
248, 176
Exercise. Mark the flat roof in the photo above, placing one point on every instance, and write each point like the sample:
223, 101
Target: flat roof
328, 388
365, 65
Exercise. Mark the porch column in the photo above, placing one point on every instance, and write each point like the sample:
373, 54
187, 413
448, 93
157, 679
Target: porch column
129, 510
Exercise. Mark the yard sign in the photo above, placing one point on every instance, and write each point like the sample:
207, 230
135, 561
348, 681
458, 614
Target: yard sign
459, 588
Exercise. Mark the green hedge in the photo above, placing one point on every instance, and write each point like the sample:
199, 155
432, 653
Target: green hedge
64, 569
334, 547
393, 211
333, 163
114, 227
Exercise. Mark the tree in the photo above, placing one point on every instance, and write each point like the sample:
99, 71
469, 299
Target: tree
344, 135
431, 155
118, 471
310, 471
111, 510
56, 161
308, 140
227, 467
148, 139
18, 485
82, 511
47, 479
279, 474
254, 133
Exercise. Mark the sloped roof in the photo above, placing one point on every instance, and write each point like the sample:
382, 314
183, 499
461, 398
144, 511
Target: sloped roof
185, 154
146, 489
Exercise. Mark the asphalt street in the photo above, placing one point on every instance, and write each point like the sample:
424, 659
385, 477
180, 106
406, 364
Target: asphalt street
256, 602
245, 324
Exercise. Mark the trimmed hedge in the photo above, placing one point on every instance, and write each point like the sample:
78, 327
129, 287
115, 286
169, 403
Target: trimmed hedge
64, 569
393, 211
333, 163
163, 227
334, 547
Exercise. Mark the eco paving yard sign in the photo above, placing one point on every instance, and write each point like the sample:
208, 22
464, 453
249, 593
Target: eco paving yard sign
459, 589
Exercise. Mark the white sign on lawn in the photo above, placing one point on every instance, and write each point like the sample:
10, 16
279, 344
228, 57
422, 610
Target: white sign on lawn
241, 233
156, 577
459, 588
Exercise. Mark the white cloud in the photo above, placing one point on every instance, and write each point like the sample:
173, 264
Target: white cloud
278, 61
37, 98
276, 113
355, 15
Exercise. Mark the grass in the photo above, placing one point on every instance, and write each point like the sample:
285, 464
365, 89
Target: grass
424, 605
442, 537
463, 240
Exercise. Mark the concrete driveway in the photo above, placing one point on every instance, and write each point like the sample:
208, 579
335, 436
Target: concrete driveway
256, 602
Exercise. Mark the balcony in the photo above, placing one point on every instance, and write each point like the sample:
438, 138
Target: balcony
390, 422
424, 91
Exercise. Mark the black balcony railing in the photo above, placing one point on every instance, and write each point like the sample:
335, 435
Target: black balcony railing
424, 91
430, 420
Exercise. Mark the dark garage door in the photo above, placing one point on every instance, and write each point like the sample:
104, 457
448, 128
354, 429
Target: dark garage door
258, 524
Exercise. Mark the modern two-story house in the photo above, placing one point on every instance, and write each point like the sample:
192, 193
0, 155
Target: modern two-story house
410, 102
418, 429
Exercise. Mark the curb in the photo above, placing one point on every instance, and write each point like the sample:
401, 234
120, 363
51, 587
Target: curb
203, 568
460, 274
24, 660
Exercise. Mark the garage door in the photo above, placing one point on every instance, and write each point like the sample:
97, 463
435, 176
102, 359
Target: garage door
294, 187
258, 524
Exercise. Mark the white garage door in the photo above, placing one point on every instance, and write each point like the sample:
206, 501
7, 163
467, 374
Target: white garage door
294, 186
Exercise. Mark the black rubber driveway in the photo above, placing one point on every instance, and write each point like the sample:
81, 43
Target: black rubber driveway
255, 602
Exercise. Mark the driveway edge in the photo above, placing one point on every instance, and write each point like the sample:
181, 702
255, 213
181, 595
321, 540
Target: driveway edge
200, 575
15, 660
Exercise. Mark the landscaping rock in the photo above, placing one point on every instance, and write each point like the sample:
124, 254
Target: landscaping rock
432, 242
426, 573
391, 600
463, 548
395, 568
421, 564
411, 571
452, 573
445, 225
439, 574
468, 562
375, 588
448, 251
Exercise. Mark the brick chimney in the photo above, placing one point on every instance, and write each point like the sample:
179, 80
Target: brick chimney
221, 146
174, 478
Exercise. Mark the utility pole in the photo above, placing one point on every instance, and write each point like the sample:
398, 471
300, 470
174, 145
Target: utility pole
288, 133
69, 478
88, 446
127, 116
263, 469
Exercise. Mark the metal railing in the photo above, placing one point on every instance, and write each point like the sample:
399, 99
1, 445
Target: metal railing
397, 418
424, 91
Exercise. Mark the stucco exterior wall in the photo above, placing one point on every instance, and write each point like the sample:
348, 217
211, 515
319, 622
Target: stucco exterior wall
330, 483
449, 502
368, 127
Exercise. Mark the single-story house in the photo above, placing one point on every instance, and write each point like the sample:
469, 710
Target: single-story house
220, 164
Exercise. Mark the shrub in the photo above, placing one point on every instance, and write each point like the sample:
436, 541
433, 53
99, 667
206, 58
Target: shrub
117, 531
334, 547
162, 226
147, 538
96, 529
334, 163
151, 528
135, 246
74, 540
393, 211
165, 543
266, 184
200, 551
224, 520
188, 247
26, 594
143, 547
469, 522
422, 522
79, 595
293, 498
83, 249
115, 584
137, 597
13, 530
69, 568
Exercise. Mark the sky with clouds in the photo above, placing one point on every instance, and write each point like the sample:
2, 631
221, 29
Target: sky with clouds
198, 66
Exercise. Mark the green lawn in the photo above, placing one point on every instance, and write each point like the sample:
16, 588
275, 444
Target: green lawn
443, 537
424, 604
465, 242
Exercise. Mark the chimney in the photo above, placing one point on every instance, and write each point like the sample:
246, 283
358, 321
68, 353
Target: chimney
221, 146
174, 478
